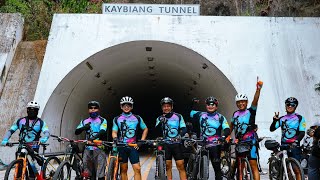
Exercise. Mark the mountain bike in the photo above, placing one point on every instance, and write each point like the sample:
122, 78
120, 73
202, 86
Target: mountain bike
26, 157
282, 167
113, 172
198, 164
71, 161
236, 164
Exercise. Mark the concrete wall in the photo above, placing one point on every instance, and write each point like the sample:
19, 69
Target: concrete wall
11, 31
283, 52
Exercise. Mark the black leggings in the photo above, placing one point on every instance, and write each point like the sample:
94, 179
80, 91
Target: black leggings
215, 155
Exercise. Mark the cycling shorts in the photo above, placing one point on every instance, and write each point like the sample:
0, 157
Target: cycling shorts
173, 150
130, 153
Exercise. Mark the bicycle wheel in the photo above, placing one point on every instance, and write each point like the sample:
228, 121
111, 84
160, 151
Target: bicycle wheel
50, 167
246, 170
191, 167
225, 166
160, 172
63, 171
111, 167
294, 169
204, 168
14, 171
274, 168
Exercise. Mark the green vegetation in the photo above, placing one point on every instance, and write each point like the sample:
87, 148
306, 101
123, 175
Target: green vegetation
38, 13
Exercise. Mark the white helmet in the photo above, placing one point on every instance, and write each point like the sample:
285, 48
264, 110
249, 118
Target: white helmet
126, 100
241, 97
33, 104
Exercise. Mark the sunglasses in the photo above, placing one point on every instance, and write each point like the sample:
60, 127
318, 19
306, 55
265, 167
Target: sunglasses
211, 104
93, 107
291, 105
129, 105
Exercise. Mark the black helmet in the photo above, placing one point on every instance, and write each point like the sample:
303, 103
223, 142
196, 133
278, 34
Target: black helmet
94, 103
166, 100
212, 100
292, 100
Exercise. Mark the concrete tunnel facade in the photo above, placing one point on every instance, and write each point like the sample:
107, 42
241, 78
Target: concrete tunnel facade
105, 57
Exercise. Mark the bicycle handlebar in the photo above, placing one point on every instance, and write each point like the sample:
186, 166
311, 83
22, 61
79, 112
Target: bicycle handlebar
108, 143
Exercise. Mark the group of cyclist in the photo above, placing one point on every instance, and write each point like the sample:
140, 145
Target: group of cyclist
213, 126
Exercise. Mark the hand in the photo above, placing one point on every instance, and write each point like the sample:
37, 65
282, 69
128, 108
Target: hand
44, 140
139, 144
163, 119
259, 84
4, 142
195, 100
115, 140
87, 127
276, 116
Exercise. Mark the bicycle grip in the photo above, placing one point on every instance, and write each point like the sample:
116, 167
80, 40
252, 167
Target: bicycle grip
132, 145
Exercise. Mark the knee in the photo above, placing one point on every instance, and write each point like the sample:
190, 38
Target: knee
169, 166
137, 169
180, 166
124, 169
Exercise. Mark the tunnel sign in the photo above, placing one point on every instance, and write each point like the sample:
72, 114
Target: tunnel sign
152, 9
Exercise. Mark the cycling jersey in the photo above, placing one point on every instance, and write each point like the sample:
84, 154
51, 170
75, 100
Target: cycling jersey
96, 124
126, 125
211, 124
174, 122
32, 130
290, 125
243, 121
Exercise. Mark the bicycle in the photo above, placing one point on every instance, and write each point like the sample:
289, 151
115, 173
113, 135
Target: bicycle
198, 164
281, 167
113, 158
26, 156
237, 163
71, 160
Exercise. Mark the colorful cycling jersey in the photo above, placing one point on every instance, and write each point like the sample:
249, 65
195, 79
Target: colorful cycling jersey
34, 129
290, 125
126, 125
243, 122
211, 124
174, 122
96, 124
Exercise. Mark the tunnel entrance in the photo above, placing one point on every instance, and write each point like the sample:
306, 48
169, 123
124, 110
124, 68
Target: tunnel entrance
145, 70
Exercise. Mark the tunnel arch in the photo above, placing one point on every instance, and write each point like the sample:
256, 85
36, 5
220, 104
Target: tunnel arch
144, 70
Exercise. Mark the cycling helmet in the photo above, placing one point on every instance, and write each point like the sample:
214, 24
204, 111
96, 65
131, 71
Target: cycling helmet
212, 100
166, 100
94, 103
126, 100
292, 100
241, 97
33, 104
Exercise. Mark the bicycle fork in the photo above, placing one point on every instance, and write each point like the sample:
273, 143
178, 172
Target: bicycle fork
285, 156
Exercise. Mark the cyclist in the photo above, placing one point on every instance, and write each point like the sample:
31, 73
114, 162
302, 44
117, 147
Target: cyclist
314, 159
124, 130
174, 128
95, 127
243, 121
32, 126
212, 126
293, 127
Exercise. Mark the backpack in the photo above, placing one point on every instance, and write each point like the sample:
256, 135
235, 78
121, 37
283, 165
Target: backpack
38, 134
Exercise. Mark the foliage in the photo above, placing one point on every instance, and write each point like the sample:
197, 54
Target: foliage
38, 13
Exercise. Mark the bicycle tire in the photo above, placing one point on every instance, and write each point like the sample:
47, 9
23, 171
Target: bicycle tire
161, 168
247, 174
111, 167
225, 167
12, 166
190, 167
60, 175
50, 167
297, 164
274, 168
204, 168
